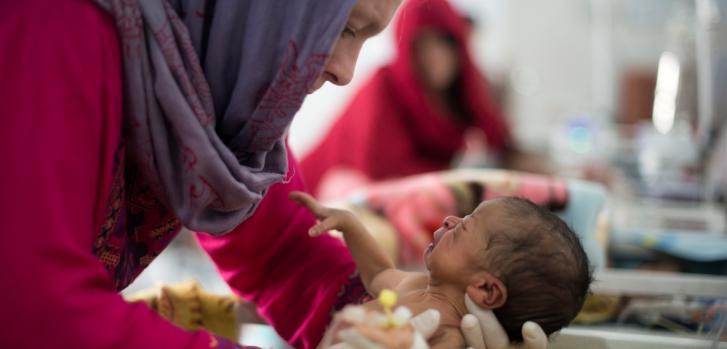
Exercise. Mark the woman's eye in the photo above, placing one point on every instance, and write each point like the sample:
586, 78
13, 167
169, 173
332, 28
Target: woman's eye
348, 31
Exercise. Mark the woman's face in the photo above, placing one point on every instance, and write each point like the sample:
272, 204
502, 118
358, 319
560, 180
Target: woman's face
436, 60
368, 18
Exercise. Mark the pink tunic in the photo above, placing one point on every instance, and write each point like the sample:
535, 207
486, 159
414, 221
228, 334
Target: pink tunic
71, 239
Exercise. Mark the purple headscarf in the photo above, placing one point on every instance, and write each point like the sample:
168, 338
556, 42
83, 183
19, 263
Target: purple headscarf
210, 89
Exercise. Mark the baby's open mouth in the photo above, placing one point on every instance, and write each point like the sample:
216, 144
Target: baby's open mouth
437, 237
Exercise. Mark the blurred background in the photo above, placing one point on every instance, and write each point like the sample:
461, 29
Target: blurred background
627, 99
577, 78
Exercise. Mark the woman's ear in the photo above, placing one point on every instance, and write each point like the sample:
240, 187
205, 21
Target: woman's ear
487, 291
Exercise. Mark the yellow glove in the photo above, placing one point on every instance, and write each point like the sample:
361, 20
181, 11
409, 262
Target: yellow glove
188, 306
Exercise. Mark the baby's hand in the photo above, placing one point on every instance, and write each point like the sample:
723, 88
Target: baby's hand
330, 218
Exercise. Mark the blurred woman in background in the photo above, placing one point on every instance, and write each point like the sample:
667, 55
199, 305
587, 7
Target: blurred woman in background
415, 114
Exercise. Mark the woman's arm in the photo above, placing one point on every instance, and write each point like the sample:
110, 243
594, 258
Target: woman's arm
60, 101
270, 260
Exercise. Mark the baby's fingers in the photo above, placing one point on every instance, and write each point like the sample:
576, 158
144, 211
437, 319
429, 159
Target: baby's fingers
320, 228
309, 202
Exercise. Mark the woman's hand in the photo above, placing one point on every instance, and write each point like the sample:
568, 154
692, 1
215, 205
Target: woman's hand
330, 218
482, 331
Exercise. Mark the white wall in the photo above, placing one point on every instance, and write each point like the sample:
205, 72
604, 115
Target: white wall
550, 65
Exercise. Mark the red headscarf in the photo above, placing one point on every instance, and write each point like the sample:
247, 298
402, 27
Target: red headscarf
391, 128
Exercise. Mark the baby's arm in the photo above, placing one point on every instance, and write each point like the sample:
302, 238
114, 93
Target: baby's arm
377, 271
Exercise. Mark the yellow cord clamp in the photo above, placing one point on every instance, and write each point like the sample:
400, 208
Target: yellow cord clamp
388, 299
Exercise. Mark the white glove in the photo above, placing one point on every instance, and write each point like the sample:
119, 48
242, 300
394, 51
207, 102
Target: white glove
482, 331
425, 324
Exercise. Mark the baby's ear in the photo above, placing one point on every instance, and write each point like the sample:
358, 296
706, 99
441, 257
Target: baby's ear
487, 291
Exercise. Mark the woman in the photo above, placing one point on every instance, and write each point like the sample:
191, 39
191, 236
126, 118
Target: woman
125, 120
414, 114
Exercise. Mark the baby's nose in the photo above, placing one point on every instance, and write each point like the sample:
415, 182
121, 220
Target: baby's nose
450, 221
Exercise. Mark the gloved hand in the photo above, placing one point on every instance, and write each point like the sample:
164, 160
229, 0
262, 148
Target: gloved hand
482, 331
344, 325
480, 328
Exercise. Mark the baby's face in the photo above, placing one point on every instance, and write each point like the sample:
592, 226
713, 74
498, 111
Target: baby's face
452, 256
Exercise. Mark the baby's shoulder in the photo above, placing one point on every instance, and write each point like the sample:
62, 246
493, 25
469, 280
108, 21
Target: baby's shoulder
412, 282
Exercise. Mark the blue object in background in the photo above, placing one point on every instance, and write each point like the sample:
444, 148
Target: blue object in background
586, 202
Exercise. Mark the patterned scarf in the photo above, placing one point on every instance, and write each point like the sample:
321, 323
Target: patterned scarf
210, 88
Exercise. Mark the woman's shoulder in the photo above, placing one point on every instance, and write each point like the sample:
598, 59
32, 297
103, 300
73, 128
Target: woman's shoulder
37, 10
53, 21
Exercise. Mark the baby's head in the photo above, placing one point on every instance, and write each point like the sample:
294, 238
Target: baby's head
516, 258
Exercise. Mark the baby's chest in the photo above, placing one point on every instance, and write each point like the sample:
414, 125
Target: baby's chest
415, 306
447, 334
411, 300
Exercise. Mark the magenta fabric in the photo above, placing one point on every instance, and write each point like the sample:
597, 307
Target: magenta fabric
60, 142
61, 107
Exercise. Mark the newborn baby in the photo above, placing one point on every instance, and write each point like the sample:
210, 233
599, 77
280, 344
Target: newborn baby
509, 255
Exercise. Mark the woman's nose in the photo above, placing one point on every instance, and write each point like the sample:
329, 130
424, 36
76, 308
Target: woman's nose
342, 63
341, 72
